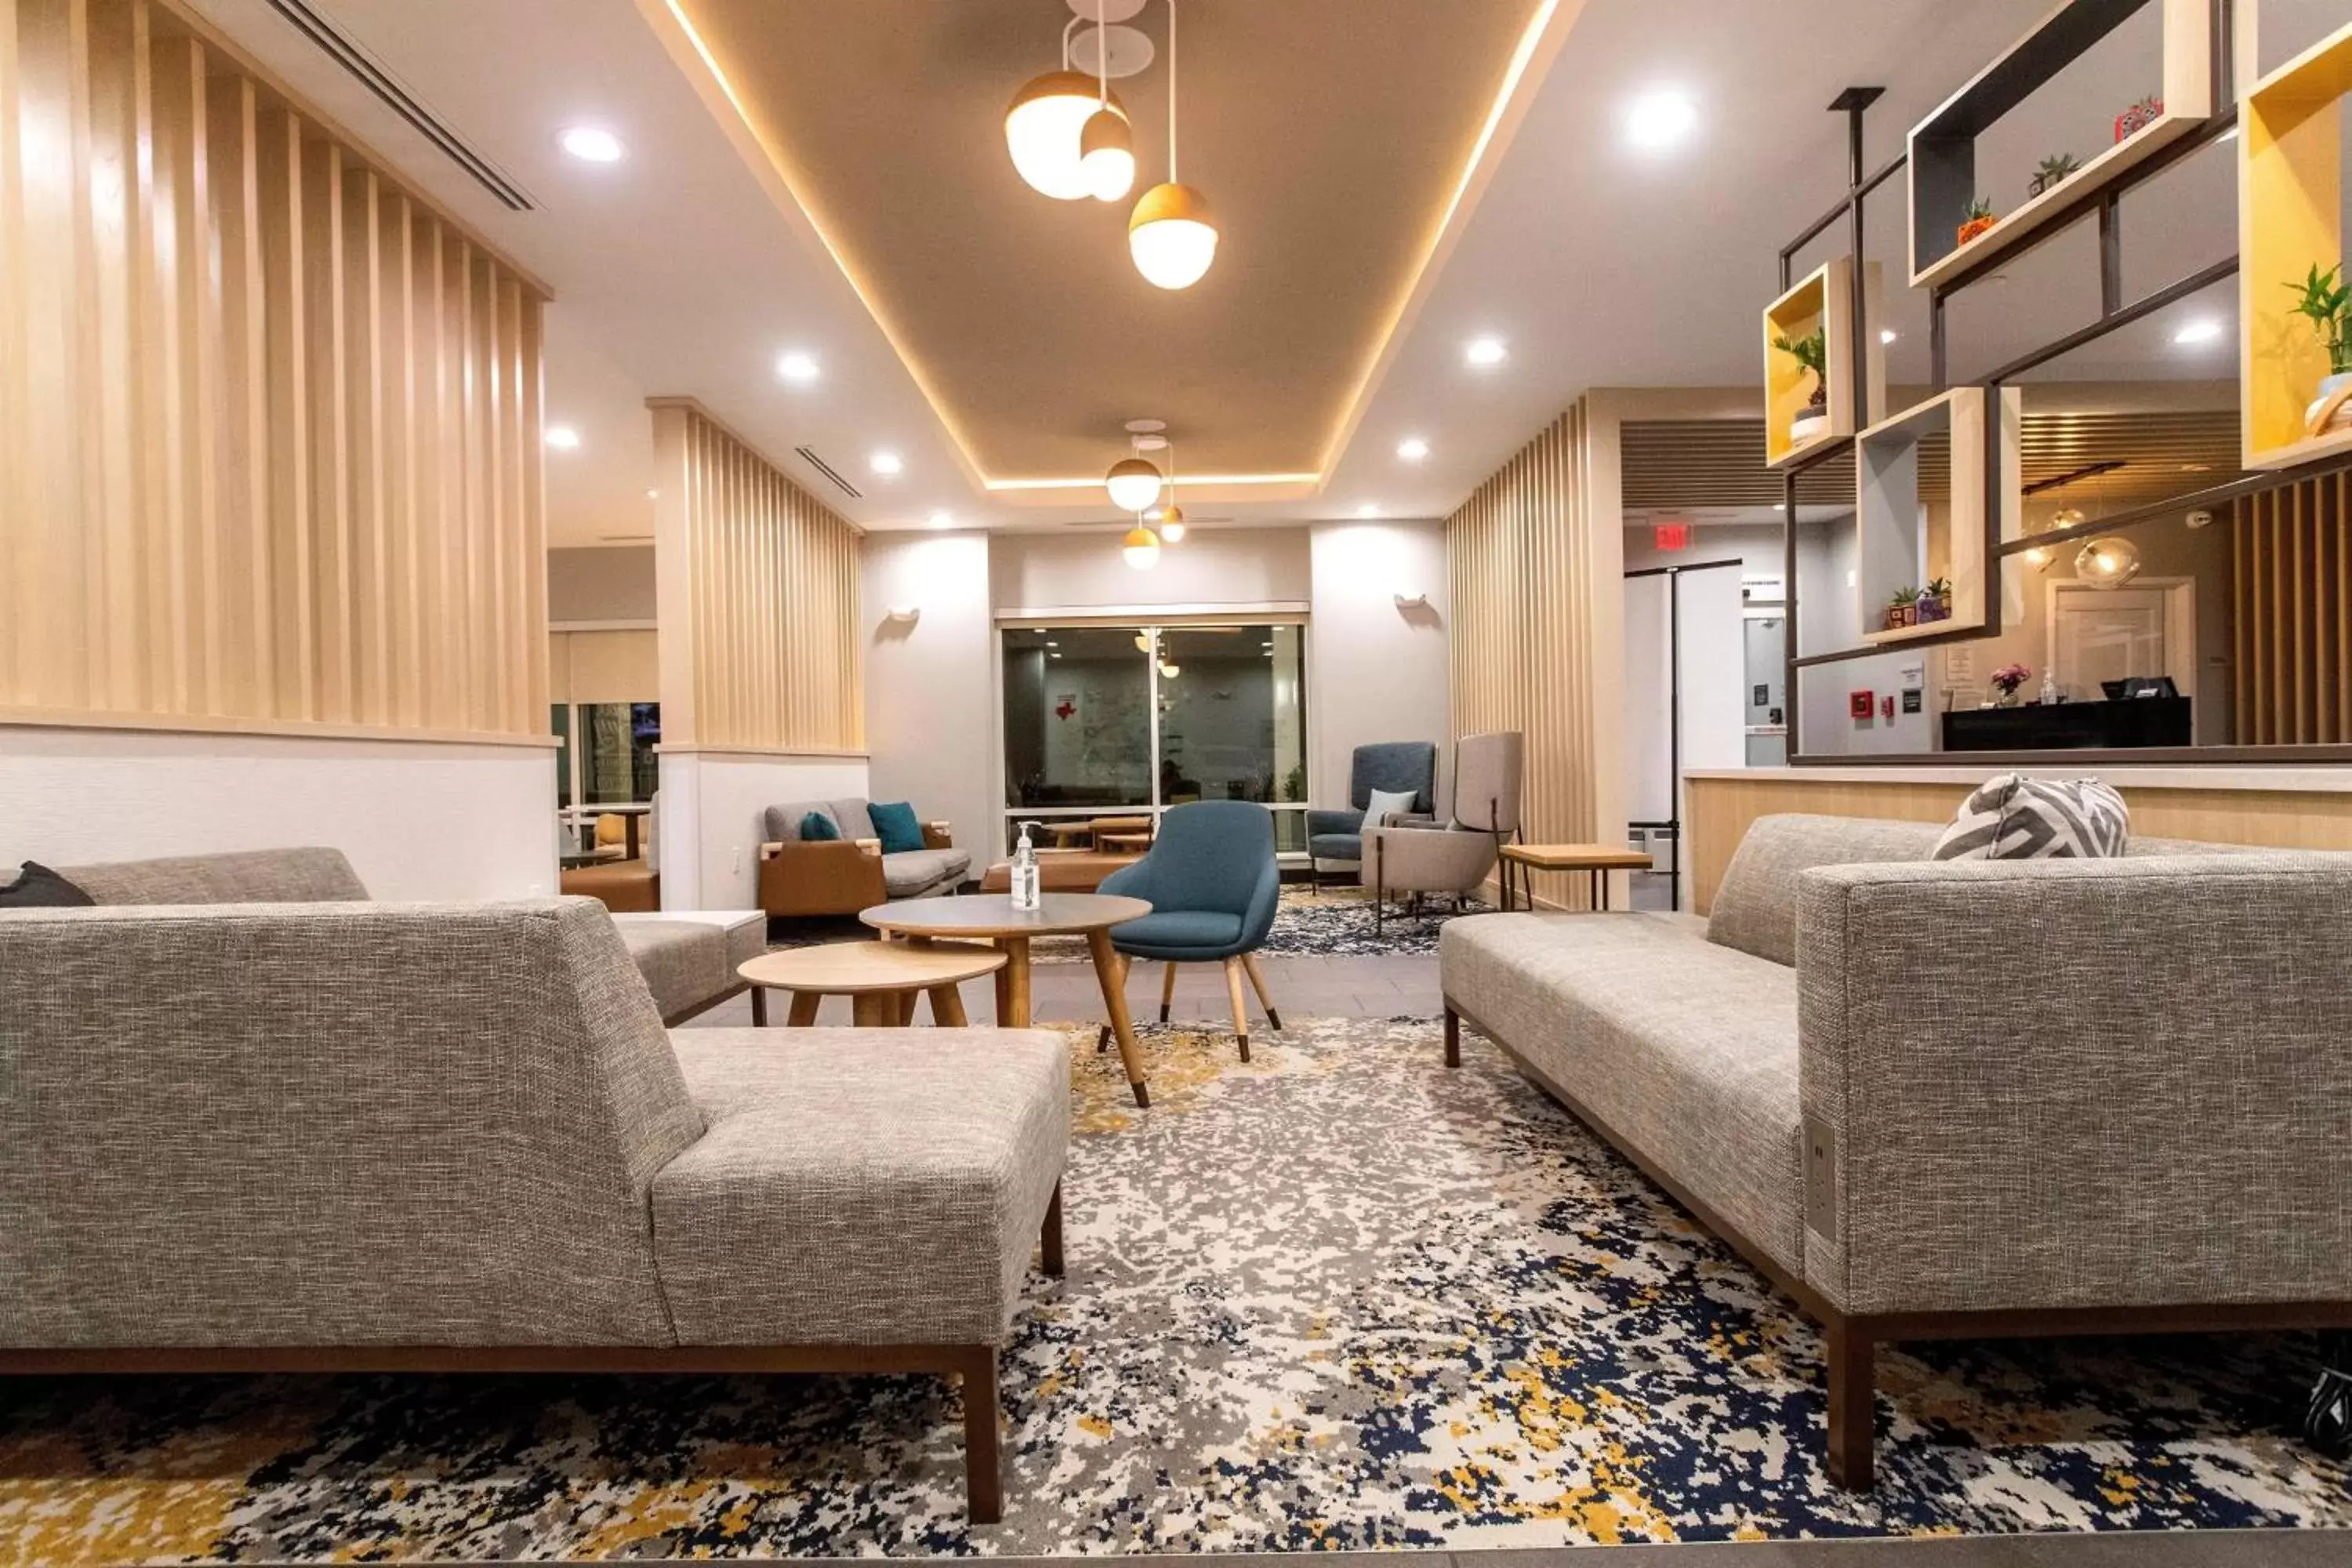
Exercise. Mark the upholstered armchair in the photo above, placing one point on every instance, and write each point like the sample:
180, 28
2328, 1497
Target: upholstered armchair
1417, 858
1213, 886
1395, 766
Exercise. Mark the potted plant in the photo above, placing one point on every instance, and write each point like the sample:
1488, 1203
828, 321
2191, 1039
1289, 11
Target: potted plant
1934, 601
2007, 680
1903, 608
1979, 220
2052, 172
2328, 303
2139, 117
1811, 352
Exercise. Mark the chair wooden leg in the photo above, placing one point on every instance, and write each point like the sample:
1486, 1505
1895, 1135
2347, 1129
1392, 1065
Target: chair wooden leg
1853, 1420
1258, 983
1453, 1038
1241, 1012
1050, 1239
983, 1464
1167, 988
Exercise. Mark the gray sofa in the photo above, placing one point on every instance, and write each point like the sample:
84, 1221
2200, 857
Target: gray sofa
689, 963
1937, 1100
801, 877
341, 1135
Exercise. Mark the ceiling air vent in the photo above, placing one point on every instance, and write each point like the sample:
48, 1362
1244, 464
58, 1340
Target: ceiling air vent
370, 72
809, 457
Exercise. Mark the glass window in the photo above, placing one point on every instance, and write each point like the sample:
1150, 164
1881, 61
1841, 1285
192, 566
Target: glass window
617, 742
1232, 718
560, 720
1077, 718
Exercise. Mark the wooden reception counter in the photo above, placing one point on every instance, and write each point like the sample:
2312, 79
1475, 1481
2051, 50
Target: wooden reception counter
2286, 805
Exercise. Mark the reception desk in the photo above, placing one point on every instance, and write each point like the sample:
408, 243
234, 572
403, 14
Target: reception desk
2129, 724
2286, 806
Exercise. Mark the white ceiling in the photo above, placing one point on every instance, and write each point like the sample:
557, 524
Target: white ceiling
1599, 264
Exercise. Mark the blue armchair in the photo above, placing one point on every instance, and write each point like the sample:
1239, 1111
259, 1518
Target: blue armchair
1395, 766
1213, 884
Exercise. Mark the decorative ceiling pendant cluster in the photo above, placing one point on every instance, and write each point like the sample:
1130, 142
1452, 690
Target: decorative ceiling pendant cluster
1070, 138
1137, 485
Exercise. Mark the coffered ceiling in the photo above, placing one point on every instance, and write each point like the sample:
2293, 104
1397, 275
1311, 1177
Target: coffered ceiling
1329, 136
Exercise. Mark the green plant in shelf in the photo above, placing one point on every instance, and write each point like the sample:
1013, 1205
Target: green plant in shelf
1977, 219
1938, 588
2053, 171
1902, 598
2328, 303
1812, 350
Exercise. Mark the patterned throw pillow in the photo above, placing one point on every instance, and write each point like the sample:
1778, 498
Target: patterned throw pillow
2012, 817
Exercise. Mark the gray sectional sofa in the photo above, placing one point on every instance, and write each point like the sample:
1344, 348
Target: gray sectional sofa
1936, 1100
341, 1135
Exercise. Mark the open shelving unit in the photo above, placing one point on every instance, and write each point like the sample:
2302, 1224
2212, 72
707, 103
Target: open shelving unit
1943, 439
1821, 301
1942, 162
2290, 216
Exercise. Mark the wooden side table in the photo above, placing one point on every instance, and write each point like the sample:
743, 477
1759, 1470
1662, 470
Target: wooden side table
1597, 860
881, 980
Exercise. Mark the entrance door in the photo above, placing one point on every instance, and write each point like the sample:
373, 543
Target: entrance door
2146, 629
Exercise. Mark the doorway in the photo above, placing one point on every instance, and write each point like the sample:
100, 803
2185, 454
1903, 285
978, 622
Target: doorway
2147, 628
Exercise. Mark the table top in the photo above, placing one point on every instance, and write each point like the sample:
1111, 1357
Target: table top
848, 968
992, 915
1576, 856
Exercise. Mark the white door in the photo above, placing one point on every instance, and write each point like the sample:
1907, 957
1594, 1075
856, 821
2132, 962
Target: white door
2147, 628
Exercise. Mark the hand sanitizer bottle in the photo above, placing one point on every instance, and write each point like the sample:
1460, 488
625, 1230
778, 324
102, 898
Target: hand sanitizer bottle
2049, 690
1025, 873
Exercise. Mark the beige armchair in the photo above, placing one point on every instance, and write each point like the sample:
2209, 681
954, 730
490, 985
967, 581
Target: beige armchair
1417, 858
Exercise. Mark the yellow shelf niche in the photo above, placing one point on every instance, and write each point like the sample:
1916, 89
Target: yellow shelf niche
1824, 300
2290, 216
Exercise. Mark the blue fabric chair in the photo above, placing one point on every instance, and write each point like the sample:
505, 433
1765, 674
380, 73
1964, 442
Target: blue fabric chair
1395, 766
1213, 884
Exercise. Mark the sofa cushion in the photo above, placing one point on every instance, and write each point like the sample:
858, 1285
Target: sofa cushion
1755, 909
39, 888
886, 1189
308, 876
1684, 1050
895, 826
684, 962
857, 821
819, 827
1335, 847
914, 871
1180, 929
783, 822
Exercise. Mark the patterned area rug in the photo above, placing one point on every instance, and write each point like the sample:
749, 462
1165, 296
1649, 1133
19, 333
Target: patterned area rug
1340, 1297
1332, 922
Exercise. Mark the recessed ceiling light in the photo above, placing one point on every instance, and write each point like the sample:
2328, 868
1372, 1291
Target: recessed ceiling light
563, 438
1413, 448
1369, 509
1887, 334
594, 144
797, 367
1484, 351
1780, 506
2200, 331
1661, 119
886, 463
653, 495
1051, 643
942, 519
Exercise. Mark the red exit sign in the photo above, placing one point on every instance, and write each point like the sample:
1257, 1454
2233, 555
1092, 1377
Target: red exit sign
1674, 536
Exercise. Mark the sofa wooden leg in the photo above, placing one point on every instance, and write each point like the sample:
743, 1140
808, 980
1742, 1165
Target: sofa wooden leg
1049, 1240
1852, 1424
983, 1464
1167, 988
1453, 1038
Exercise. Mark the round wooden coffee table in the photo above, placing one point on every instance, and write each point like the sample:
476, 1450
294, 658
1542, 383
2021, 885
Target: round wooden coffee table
991, 918
881, 980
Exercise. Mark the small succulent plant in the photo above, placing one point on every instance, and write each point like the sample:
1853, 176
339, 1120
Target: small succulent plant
2327, 301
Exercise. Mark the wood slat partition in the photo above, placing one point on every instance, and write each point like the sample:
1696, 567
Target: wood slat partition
758, 588
240, 487
1520, 570
2292, 552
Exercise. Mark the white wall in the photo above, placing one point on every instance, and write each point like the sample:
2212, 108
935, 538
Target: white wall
713, 818
1212, 566
931, 708
418, 819
1375, 671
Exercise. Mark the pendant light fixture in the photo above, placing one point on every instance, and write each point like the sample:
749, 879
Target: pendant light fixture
1170, 517
1170, 234
1107, 144
1142, 547
1134, 484
1045, 126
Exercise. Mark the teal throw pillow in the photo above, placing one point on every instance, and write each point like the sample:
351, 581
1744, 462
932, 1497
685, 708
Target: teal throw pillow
895, 825
816, 827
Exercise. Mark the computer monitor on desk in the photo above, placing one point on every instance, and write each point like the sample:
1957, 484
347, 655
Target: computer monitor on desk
2139, 686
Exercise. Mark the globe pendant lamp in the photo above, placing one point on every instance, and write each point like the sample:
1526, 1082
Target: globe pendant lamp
1170, 234
1134, 485
1170, 519
1107, 142
1142, 547
1046, 121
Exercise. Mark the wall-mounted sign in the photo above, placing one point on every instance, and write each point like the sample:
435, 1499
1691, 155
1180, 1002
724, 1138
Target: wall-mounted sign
1672, 535
1911, 700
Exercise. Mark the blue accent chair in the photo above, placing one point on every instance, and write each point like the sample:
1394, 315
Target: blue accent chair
1212, 883
1392, 766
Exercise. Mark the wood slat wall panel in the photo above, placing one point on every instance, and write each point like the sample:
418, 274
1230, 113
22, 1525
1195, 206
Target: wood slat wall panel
758, 599
1520, 567
268, 454
2293, 554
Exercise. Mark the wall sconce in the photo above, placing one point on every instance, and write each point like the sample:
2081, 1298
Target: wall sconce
1411, 601
904, 614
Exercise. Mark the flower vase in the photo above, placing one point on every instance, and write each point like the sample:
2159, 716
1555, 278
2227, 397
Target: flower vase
1811, 419
2320, 419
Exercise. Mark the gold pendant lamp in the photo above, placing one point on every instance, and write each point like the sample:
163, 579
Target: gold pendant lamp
1170, 234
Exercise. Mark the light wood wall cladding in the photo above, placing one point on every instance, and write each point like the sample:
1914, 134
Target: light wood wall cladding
758, 583
1520, 568
269, 423
2293, 559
